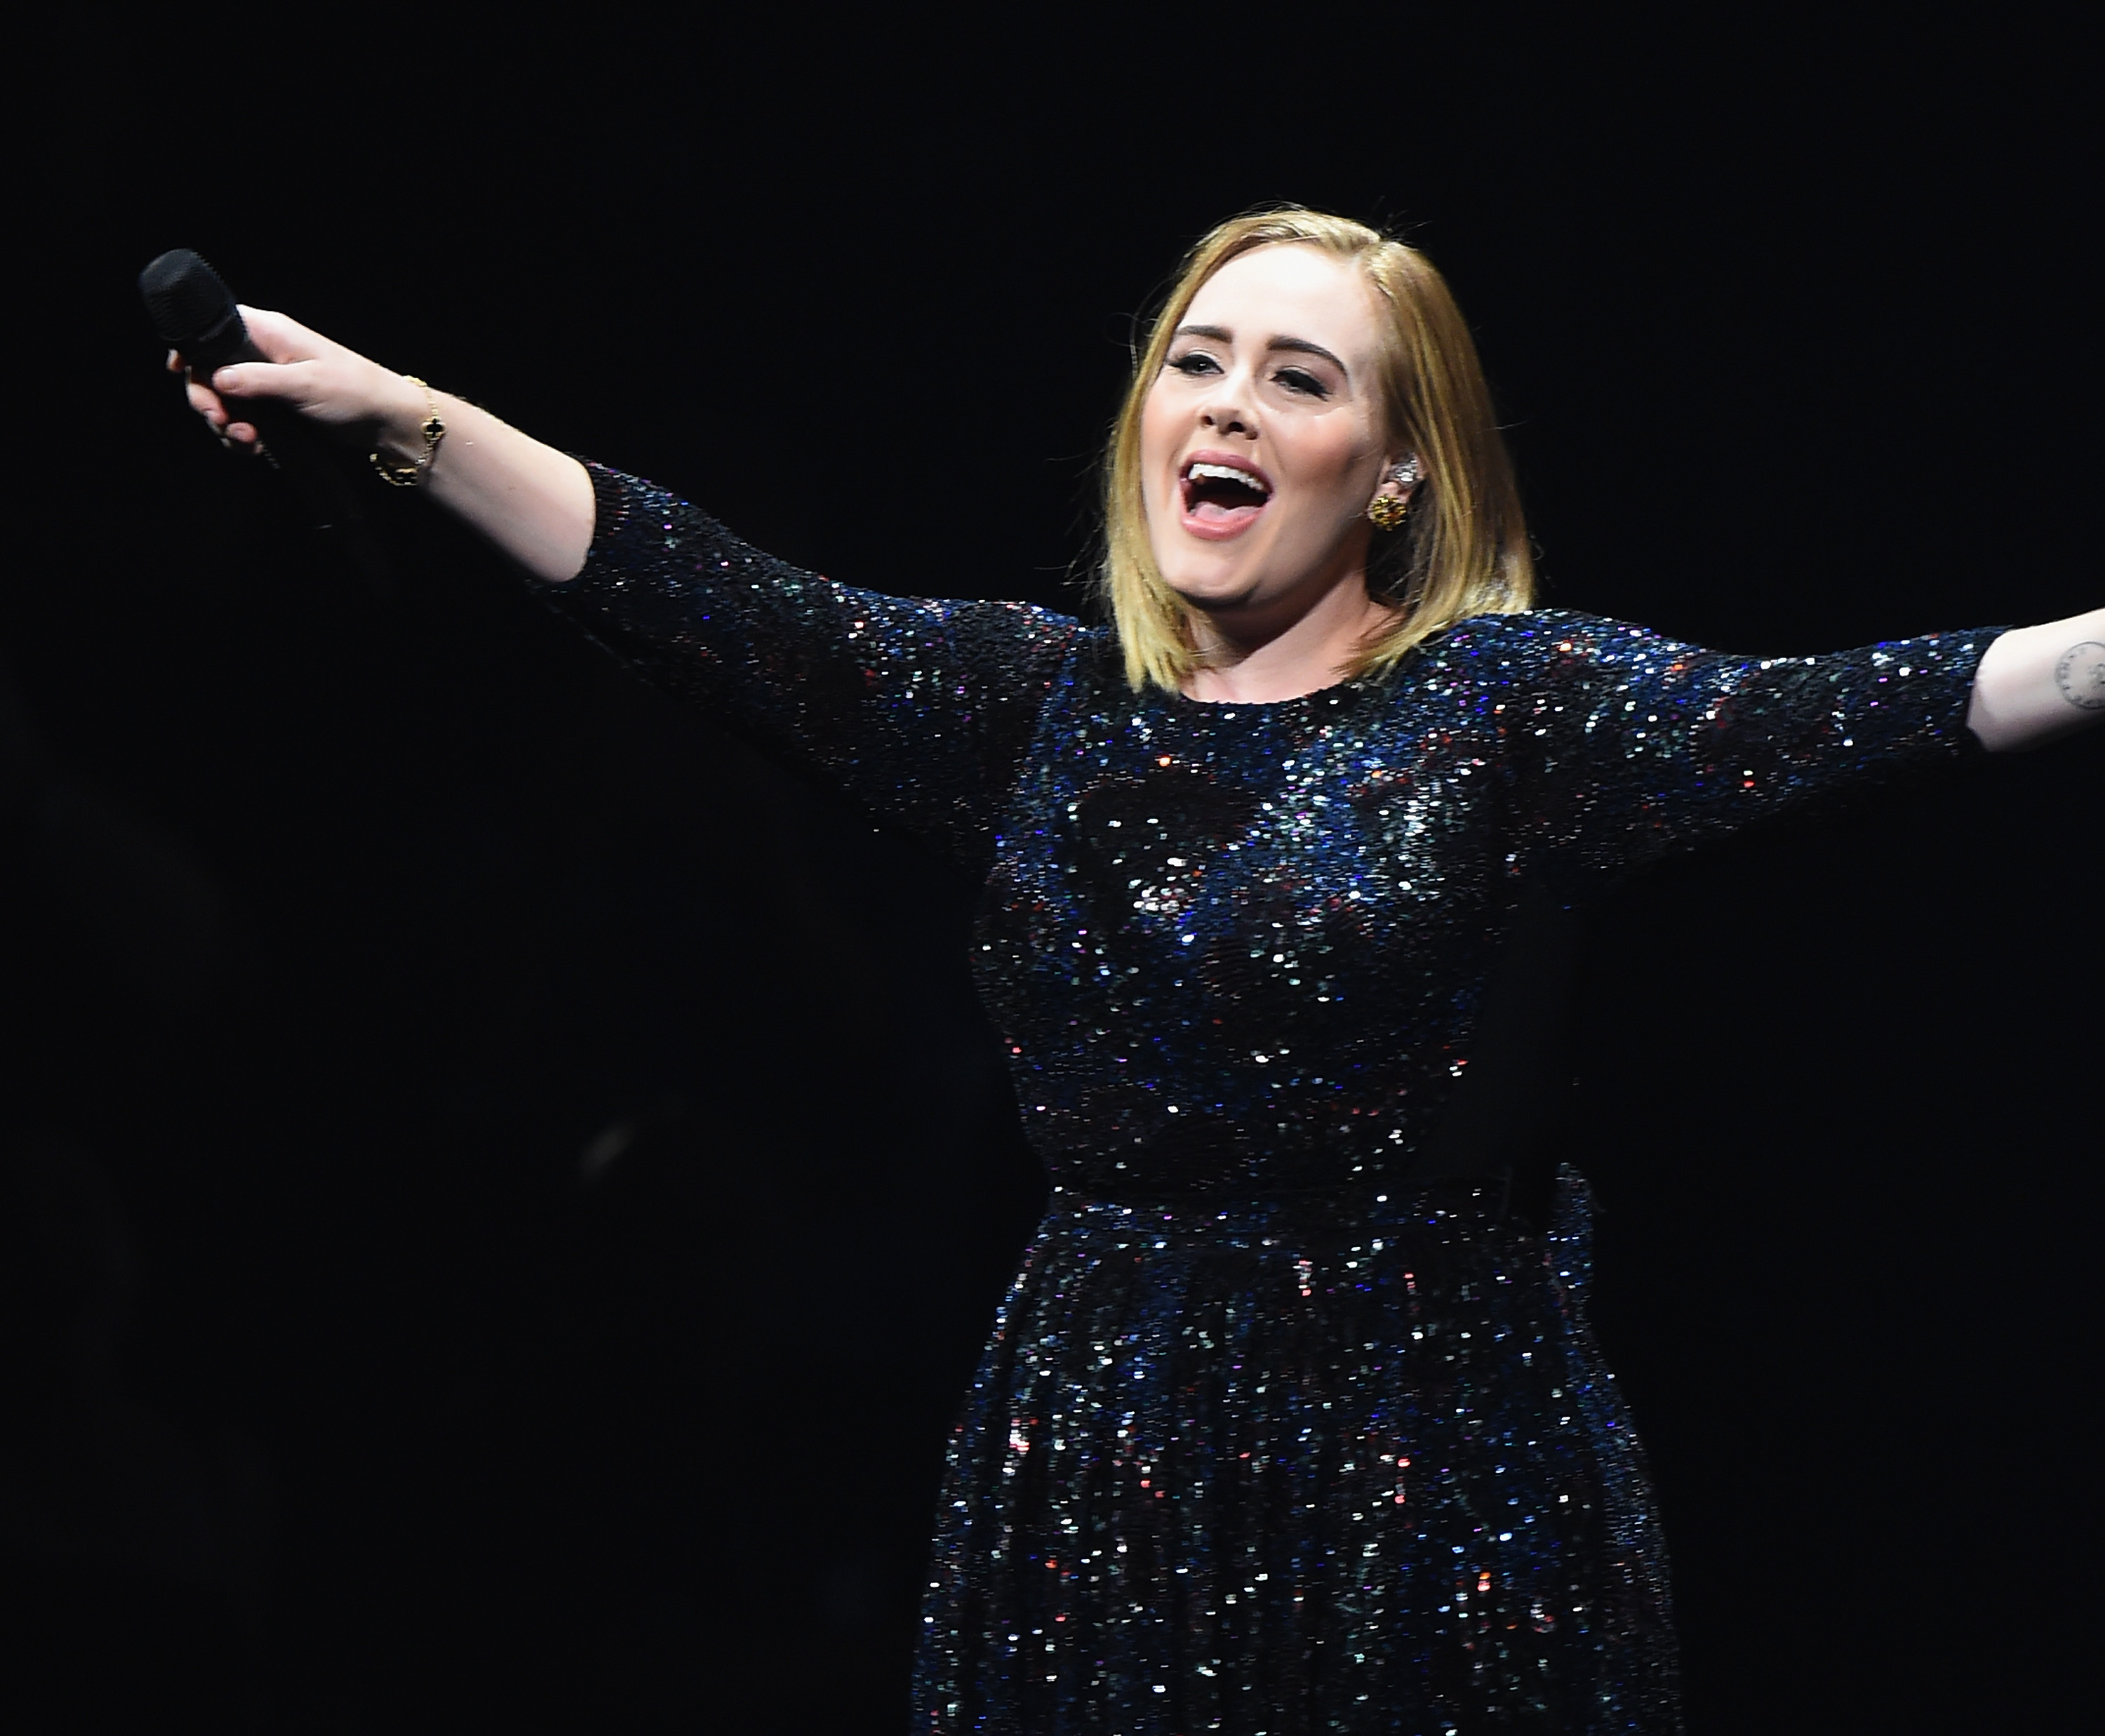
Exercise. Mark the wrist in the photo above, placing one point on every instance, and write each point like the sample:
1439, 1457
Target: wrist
403, 408
407, 441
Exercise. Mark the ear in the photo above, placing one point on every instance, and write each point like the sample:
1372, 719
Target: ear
1401, 474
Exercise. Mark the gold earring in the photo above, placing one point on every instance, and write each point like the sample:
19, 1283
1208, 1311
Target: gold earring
1388, 511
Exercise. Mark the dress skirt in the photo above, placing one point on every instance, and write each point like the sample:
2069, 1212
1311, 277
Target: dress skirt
1338, 1462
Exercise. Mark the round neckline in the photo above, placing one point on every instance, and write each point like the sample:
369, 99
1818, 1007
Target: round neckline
1299, 698
1337, 692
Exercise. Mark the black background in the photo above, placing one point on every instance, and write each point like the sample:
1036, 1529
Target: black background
504, 1187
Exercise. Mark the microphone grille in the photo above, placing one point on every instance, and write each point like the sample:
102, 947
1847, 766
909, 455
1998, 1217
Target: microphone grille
186, 299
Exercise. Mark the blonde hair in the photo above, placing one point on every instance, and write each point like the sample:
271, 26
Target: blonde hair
1463, 551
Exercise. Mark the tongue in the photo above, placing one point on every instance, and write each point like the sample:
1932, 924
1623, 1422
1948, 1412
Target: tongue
1213, 512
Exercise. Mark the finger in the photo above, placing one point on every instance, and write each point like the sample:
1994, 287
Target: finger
281, 339
174, 361
289, 381
206, 402
241, 433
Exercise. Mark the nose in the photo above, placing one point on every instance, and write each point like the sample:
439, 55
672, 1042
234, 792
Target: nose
1224, 410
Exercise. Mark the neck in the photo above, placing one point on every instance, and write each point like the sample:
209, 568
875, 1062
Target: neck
1257, 662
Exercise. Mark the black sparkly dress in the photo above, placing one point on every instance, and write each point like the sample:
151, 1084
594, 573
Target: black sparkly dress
1277, 1433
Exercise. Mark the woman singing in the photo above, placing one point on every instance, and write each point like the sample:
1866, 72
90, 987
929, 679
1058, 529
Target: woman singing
1292, 1421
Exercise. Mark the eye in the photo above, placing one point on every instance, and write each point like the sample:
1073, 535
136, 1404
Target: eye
1194, 362
1298, 380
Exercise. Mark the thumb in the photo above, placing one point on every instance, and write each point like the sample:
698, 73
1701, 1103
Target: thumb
291, 370
281, 339
289, 349
289, 381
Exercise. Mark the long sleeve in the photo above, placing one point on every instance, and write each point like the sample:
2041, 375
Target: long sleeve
918, 710
1629, 745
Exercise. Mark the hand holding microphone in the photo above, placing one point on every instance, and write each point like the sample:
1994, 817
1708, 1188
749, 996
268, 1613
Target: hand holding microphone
297, 370
265, 384
247, 368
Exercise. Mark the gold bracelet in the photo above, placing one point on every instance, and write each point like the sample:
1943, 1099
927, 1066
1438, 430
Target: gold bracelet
410, 475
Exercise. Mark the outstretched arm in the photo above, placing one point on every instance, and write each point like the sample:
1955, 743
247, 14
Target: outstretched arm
919, 708
1634, 745
2036, 684
534, 503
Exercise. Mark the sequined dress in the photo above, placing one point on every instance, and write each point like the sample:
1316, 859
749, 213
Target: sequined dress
1277, 1434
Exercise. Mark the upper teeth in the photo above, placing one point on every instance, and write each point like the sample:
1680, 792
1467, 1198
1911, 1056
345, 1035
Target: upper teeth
1227, 473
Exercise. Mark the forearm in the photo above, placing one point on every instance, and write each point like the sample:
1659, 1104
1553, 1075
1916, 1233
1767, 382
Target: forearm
2036, 684
530, 501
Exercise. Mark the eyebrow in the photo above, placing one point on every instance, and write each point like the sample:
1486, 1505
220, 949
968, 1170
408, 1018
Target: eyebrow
1221, 335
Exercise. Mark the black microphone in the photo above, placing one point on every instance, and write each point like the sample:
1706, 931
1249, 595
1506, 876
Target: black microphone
193, 312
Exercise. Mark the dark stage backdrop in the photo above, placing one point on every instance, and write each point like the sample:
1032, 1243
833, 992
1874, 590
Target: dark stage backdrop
504, 1187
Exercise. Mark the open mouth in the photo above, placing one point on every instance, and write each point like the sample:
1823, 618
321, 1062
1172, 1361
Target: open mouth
1223, 498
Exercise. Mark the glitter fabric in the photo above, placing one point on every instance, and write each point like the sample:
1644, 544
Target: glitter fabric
1279, 1432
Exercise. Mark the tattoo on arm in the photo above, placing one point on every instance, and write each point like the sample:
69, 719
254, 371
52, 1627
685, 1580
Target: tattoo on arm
2080, 675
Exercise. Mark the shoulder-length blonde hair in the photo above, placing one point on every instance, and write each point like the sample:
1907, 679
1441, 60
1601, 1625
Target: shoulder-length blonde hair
1463, 551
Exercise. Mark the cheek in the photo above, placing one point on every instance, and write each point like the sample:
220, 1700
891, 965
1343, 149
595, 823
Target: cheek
1157, 430
1334, 461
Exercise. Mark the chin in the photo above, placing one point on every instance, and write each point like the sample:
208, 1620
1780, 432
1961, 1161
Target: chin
1208, 576
1214, 595
1226, 592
